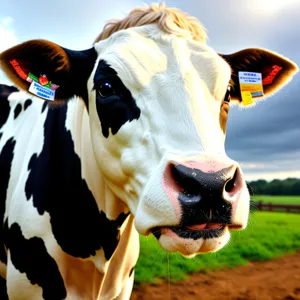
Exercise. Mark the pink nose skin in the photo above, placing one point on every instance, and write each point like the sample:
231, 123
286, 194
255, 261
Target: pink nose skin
203, 192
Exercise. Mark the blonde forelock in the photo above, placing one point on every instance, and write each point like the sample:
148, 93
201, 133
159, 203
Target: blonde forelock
170, 20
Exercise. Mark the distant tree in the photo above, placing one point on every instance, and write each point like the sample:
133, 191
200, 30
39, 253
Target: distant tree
289, 186
296, 188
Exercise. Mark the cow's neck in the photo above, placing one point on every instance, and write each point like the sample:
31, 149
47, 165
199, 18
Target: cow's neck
98, 245
78, 123
116, 270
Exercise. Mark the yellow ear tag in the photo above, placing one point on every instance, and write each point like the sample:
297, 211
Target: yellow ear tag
251, 86
247, 98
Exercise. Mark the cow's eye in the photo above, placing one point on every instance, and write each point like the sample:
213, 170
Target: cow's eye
227, 95
105, 89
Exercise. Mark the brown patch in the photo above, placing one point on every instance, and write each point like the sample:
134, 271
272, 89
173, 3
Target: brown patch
261, 61
224, 115
276, 279
81, 278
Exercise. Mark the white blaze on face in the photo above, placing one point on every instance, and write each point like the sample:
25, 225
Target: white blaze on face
178, 85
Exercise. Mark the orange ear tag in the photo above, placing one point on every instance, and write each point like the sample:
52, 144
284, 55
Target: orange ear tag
19, 70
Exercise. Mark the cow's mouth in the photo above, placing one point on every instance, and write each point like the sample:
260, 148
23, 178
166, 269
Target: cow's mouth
190, 240
195, 232
199, 231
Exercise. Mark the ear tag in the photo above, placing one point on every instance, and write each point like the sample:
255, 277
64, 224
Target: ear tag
19, 70
273, 73
43, 80
41, 91
247, 98
250, 83
40, 86
34, 78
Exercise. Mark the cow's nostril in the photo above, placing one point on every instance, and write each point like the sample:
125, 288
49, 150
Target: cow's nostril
230, 184
234, 186
185, 179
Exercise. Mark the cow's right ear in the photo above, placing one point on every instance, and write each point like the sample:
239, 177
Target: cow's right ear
47, 64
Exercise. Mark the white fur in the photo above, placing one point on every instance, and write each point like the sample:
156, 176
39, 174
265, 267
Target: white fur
178, 84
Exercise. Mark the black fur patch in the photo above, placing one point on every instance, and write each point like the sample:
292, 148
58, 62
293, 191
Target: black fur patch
6, 158
3, 293
56, 185
30, 256
44, 106
5, 91
114, 111
131, 271
156, 232
27, 103
17, 110
110, 236
74, 82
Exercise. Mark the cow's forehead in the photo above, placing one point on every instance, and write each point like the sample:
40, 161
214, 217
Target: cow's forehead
140, 55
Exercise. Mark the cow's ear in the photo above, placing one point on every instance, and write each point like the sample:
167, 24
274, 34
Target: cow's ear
61, 72
275, 69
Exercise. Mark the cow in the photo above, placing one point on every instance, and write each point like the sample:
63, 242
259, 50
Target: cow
124, 138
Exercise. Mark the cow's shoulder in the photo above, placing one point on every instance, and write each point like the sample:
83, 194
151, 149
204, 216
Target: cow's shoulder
56, 186
20, 117
13, 104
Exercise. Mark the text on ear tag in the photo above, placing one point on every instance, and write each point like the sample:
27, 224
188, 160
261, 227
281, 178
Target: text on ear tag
250, 86
41, 91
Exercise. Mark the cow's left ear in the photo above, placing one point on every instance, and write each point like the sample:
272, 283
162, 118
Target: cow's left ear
47, 70
276, 70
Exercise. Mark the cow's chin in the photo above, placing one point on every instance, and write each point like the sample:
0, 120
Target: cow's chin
192, 242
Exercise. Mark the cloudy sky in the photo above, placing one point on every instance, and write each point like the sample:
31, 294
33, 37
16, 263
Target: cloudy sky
264, 139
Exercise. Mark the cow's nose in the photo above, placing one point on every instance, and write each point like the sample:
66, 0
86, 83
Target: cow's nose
221, 184
207, 196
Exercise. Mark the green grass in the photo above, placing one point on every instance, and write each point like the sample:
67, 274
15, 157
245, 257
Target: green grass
267, 236
277, 199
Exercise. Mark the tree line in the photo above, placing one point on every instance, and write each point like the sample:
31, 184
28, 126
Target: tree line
289, 186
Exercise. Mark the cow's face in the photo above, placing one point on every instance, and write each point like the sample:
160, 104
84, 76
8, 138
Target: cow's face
158, 111
158, 107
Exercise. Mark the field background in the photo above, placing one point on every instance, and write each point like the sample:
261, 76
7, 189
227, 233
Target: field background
277, 199
268, 235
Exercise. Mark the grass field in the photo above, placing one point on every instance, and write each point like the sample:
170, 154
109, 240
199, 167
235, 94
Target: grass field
268, 235
277, 199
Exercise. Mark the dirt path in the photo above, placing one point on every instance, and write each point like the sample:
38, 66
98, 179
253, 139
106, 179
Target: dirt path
275, 279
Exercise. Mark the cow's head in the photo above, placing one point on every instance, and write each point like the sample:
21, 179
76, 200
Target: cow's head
158, 99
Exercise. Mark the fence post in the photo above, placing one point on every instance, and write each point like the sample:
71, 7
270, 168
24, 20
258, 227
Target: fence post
270, 206
259, 205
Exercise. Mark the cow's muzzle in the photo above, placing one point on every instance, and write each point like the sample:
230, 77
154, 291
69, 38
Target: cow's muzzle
205, 198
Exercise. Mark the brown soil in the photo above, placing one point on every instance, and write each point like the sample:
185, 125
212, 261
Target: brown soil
275, 279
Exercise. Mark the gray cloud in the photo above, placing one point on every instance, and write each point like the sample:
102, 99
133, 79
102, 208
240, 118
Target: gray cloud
268, 133
265, 138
